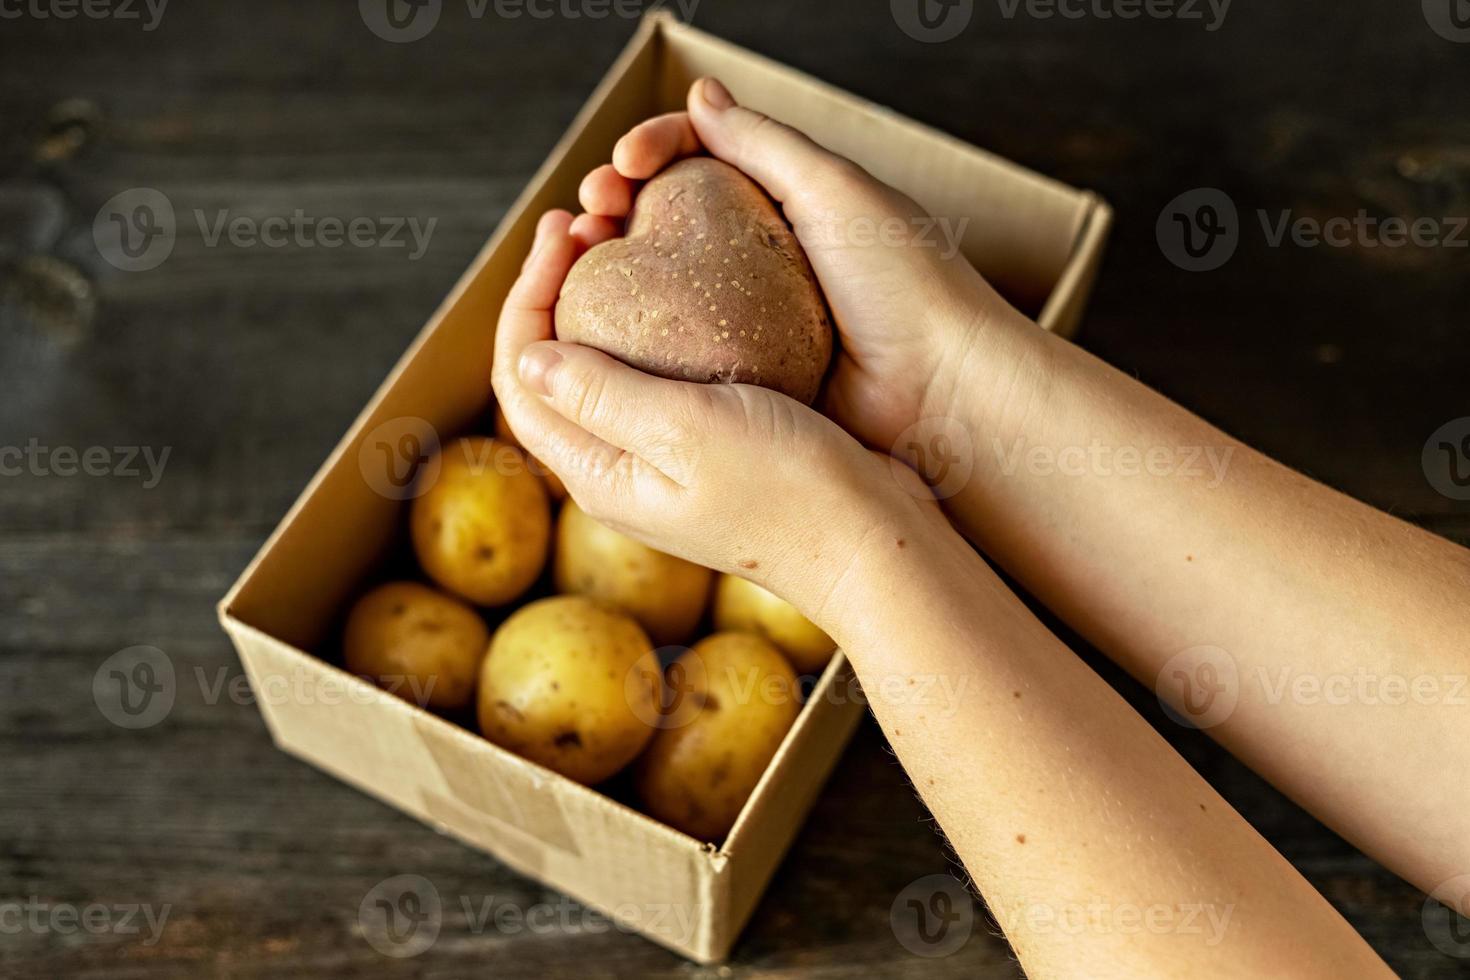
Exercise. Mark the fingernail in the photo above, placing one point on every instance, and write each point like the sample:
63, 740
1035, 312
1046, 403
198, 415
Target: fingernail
715, 94
536, 365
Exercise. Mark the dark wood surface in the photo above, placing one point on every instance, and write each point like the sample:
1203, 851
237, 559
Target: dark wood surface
250, 363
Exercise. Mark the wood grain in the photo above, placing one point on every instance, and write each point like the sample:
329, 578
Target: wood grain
248, 363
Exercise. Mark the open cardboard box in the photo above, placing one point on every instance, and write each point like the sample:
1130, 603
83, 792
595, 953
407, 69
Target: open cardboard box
1038, 241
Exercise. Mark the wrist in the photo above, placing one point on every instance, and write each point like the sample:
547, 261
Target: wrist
991, 377
904, 555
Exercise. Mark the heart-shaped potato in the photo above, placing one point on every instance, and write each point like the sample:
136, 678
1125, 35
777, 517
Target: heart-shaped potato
708, 285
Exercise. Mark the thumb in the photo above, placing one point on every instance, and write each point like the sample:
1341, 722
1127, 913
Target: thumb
648, 416
791, 166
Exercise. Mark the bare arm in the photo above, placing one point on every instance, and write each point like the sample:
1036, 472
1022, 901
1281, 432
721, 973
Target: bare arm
1325, 643
1100, 851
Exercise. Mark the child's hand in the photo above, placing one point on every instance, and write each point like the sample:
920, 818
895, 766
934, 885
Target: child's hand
738, 478
909, 313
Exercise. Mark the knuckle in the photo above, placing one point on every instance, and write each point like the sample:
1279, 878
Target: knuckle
582, 392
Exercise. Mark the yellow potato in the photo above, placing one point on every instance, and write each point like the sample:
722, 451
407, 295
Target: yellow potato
665, 594
732, 698
554, 486
742, 605
483, 529
418, 643
571, 684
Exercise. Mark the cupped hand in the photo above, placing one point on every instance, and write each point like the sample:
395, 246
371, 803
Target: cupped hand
909, 309
734, 477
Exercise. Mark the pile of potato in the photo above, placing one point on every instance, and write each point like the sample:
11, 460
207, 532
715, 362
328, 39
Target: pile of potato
573, 681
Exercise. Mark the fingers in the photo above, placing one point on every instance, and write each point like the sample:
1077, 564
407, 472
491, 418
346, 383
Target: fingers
652, 145
651, 417
588, 230
581, 459
604, 191
785, 161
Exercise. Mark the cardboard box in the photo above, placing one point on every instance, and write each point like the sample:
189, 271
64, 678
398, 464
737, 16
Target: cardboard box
1038, 241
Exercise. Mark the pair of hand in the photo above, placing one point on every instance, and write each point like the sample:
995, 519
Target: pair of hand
736, 477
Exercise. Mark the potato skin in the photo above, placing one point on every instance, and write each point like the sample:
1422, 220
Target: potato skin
571, 684
732, 699
742, 605
483, 529
554, 487
708, 285
418, 643
667, 595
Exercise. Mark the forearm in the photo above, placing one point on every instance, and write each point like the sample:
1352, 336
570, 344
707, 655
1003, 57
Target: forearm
1099, 850
1340, 631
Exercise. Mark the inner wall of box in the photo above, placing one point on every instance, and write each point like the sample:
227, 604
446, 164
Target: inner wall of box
1020, 231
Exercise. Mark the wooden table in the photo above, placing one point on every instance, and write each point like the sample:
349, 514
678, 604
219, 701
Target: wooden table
249, 362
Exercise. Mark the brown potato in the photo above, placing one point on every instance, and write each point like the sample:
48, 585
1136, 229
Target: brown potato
554, 486
667, 595
418, 643
571, 684
709, 285
732, 699
483, 529
742, 605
